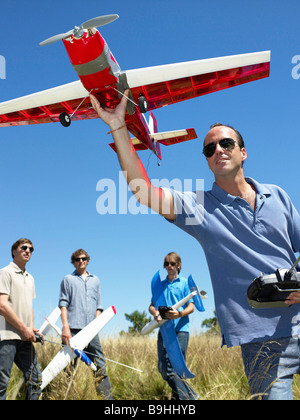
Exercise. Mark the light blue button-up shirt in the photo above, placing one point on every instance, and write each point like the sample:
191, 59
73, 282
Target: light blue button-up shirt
81, 298
239, 244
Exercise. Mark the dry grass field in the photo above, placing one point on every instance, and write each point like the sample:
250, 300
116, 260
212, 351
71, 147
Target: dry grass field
219, 372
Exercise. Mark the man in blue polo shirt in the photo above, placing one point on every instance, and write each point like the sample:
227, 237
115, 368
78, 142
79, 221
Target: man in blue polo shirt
80, 304
245, 228
175, 288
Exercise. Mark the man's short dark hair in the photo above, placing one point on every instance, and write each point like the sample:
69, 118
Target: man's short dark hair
77, 253
240, 139
18, 243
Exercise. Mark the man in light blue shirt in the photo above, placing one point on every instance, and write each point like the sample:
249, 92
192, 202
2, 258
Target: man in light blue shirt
240, 243
245, 228
80, 304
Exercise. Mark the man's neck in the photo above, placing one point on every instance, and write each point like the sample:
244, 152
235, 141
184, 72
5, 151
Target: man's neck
239, 187
233, 185
82, 273
172, 277
20, 265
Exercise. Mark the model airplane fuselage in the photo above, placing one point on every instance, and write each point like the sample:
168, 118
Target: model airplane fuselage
150, 88
93, 61
101, 75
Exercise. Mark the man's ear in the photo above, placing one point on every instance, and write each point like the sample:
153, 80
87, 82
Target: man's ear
244, 154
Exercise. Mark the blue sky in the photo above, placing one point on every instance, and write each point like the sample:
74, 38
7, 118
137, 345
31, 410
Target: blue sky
48, 174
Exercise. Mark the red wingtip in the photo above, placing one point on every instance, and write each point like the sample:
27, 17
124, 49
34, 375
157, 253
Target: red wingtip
114, 309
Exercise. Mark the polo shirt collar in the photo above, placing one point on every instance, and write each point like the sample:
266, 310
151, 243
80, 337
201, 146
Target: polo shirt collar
17, 269
260, 188
227, 199
178, 279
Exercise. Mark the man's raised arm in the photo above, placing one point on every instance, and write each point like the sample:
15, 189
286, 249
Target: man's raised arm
159, 200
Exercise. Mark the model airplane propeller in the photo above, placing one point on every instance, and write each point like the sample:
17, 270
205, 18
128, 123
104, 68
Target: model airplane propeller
149, 88
78, 31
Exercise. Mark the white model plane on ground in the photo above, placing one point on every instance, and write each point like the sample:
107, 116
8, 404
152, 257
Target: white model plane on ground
77, 343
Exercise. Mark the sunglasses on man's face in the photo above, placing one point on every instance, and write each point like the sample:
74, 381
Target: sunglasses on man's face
81, 258
167, 263
226, 144
24, 248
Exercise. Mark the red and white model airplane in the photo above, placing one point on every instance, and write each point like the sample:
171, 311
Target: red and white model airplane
150, 88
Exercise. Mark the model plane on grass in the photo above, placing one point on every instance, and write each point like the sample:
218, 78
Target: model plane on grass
68, 353
150, 88
77, 343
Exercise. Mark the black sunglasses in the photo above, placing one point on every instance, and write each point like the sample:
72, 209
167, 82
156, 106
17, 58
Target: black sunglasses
226, 144
24, 248
167, 263
82, 258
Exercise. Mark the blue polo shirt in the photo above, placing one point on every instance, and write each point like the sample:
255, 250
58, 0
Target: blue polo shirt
239, 245
174, 291
81, 298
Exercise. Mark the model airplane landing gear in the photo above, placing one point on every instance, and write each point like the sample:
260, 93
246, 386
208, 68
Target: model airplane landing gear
65, 119
143, 104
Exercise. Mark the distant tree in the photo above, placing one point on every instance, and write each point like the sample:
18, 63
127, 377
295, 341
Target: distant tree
139, 320
212, 324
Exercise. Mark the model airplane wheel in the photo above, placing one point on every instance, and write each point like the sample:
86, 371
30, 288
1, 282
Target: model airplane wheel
65, 119
143, 104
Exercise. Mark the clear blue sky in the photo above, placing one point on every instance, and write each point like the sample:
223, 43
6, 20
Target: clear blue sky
48, 174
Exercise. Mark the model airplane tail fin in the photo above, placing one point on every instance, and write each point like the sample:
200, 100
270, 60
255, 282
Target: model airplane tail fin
54, 327
166, 138
152, 124
52, 318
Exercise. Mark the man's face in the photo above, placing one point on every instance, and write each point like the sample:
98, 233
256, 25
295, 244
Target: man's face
171, 266
224, 162
81, 262
23, 254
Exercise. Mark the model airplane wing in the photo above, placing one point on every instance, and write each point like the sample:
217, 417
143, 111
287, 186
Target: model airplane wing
198, 295
79, 341
161, 85
168, 84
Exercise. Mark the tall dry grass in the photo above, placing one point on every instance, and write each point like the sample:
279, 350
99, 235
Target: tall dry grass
219, 372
